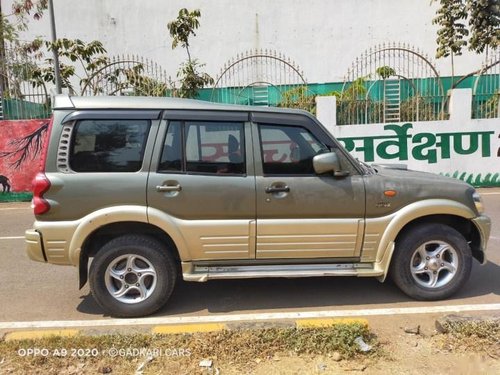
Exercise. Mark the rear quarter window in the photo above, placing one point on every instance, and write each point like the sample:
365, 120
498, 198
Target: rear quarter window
108, 145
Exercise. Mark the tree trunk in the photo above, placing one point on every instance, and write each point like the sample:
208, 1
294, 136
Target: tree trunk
452, 71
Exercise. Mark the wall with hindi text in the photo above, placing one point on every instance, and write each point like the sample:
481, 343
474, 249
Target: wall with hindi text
459, 147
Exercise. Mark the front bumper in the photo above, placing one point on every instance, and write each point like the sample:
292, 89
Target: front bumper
34, 245
483, 225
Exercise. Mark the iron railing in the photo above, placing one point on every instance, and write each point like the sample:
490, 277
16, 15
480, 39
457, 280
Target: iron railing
391, 83
129, 75
262, 78
20, 97
486, 90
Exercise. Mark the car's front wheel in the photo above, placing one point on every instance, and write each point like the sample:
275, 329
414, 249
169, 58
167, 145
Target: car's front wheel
431, 262
132, 275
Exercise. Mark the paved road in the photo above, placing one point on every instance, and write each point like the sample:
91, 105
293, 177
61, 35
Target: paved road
31, 291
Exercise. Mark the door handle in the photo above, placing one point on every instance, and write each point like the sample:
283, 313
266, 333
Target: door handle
163, 188
276, 189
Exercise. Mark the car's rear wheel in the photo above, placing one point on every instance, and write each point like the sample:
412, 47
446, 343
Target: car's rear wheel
431, 262
132, 275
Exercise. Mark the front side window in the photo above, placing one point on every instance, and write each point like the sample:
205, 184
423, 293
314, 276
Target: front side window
288, 150
108, 145
204, 147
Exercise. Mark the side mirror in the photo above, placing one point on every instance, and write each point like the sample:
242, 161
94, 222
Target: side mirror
329, 162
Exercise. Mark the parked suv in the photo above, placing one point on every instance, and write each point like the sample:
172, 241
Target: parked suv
153, 189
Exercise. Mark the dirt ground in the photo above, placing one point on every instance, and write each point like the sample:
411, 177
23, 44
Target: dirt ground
401, 353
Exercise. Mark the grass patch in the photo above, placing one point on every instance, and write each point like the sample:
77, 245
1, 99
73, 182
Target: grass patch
472, 336
181, 353
16, 197
488, 180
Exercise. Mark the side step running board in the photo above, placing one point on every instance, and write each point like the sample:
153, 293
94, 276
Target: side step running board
203, 273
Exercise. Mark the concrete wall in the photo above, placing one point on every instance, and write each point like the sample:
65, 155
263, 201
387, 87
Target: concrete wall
323, 36
460, 147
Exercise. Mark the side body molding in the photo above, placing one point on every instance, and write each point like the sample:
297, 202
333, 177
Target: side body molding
169, 225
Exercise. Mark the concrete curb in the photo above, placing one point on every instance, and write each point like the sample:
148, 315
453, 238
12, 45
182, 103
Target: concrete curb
172, 329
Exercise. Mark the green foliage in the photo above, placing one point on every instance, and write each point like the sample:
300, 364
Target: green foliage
352, 103
191, 77
183, 27
385, 71
298, 97
77, 57
452, 29
484, 24
356, 90
17, 20
486, 108
90, 57
414, 105
125, 79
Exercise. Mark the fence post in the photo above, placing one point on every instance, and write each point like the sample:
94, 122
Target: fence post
461, 104
498, 111
326, 111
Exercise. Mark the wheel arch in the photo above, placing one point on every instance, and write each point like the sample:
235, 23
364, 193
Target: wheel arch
451, 213
98, 237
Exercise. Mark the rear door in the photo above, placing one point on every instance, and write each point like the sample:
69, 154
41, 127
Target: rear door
202, 181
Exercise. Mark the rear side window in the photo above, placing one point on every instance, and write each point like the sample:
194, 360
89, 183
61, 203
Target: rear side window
204, 147
108, 145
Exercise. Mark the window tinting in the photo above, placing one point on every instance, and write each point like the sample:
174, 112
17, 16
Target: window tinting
288, 150
215, 147
108, 145
171, 157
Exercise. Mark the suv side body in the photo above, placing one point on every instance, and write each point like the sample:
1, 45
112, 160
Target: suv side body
236, 192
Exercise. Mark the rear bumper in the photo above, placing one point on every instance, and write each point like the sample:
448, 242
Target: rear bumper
34, 245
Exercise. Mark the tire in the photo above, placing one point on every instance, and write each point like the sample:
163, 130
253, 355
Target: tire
132, 276
431, 262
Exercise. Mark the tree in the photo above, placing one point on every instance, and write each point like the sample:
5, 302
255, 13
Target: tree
17, 19
89, 57
88, 65
452, 32
484, 24
385, 71
181, 29
13, 22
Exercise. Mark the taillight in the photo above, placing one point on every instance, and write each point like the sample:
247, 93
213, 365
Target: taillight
40, 186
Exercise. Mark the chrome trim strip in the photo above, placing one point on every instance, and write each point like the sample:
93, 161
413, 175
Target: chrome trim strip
204, 273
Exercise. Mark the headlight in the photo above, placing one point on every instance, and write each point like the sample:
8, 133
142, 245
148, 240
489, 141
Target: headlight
478, 202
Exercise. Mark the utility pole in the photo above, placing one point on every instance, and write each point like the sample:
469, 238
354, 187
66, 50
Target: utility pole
57, 73
3, 65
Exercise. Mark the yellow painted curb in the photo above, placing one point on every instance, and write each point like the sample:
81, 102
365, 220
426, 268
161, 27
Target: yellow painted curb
189, 328
30, 335
328, 322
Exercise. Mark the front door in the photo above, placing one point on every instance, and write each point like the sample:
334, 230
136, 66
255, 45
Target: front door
204, 184
300, 214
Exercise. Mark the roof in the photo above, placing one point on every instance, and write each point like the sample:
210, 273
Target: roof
143, 102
